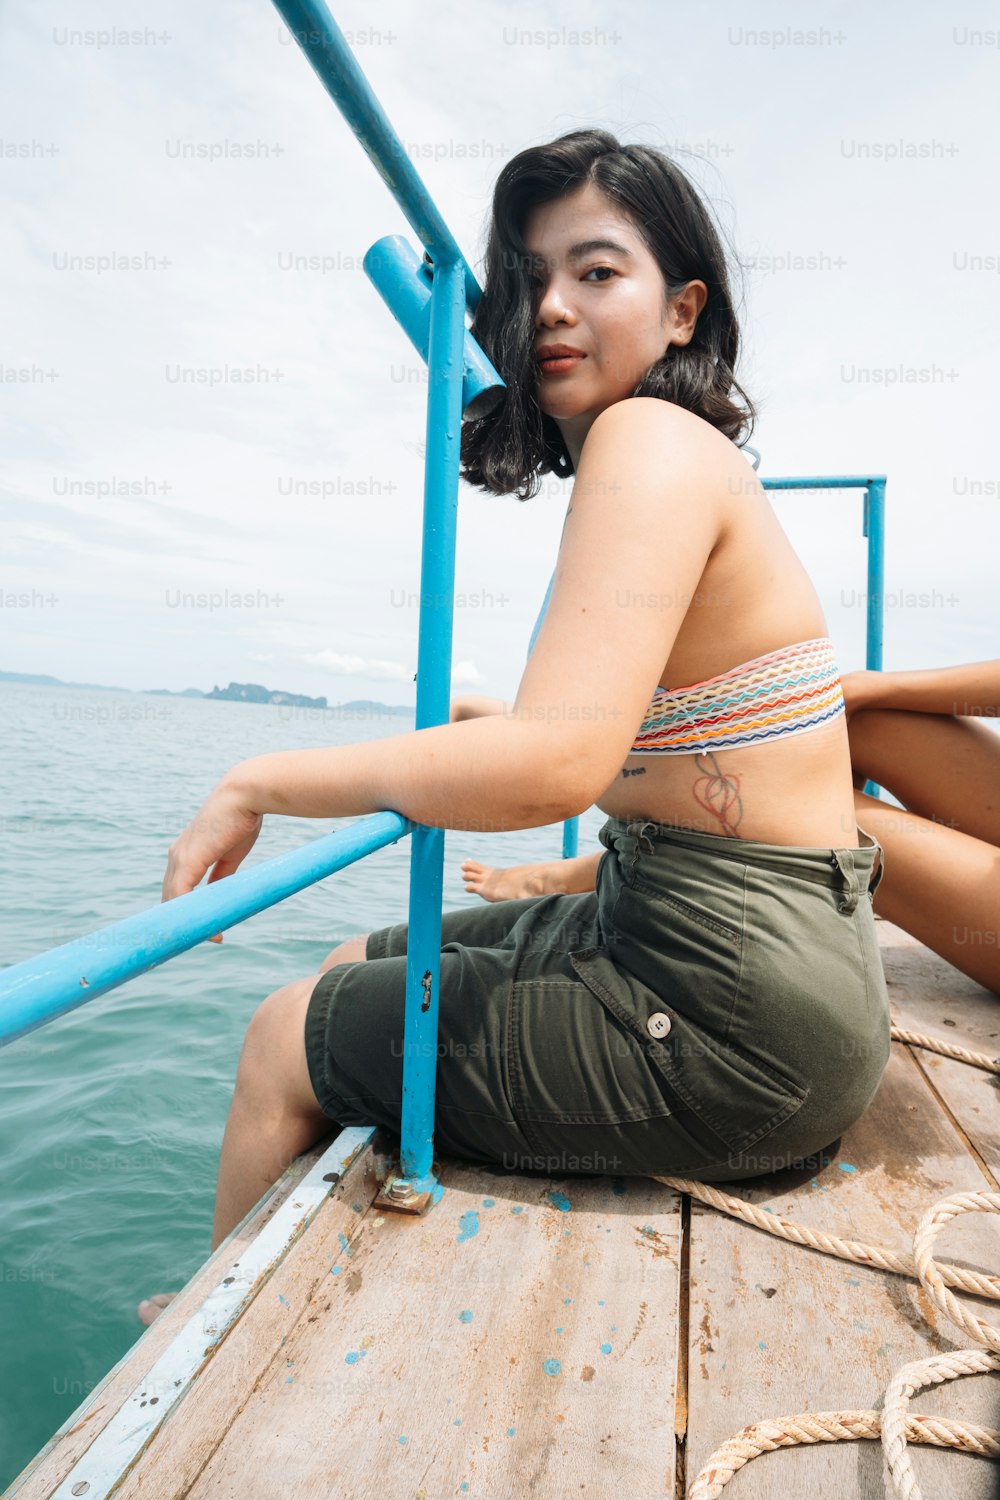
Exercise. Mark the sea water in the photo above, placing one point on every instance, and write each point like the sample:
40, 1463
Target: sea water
111, 1117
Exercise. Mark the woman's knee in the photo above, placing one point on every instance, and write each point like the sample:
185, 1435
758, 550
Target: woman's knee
353, 951
272, 1062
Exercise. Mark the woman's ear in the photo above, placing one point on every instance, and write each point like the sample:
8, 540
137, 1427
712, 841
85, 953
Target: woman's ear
685, 309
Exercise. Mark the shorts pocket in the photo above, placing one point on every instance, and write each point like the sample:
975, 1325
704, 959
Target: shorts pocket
732, 1094
707, 920
570, 1063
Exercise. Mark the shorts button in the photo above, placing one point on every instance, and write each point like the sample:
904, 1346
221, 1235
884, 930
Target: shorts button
658, 1025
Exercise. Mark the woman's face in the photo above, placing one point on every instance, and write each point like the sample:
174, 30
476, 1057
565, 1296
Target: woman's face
607, 303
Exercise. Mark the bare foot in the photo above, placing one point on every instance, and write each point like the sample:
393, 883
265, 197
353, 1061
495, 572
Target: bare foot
503, 885
150, 1307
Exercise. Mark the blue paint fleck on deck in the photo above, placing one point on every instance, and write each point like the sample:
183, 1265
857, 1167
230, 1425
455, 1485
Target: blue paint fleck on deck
605, 1348
354, 1355
282, 1300
559, 1200
551, 1367
489, 1202
567, 1301
762, 1345
511, 1431
334, 1270
845, 1166
600, 1301
852, 1281
464, 1485
457, 1423
343, 1240
401, 1438
468, 1225
465, 1316
518, 1208
558, 1330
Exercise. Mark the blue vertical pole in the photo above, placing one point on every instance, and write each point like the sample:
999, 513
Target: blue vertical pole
874, 530
437, 591
873, 527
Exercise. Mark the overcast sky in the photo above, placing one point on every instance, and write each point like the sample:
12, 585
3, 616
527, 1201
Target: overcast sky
858, 145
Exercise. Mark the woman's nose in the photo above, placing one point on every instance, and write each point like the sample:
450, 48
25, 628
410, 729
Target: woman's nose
553, 308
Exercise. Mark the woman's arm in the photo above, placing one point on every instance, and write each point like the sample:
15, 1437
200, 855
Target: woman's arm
492, 774
971, 691
473, 707
584, 689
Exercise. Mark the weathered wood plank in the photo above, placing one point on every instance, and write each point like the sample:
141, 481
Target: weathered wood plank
930, 995
516, 1339
46, 1471
778, 1329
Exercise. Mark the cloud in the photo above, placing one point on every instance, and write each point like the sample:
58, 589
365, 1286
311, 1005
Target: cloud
466, 674
244, 376
340, 665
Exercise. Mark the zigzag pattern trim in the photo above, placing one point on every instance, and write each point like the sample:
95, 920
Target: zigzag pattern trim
783, 692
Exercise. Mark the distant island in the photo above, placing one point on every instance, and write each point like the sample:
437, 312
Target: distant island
236, 692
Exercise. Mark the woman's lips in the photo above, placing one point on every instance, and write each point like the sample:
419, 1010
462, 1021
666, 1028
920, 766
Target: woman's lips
559, 364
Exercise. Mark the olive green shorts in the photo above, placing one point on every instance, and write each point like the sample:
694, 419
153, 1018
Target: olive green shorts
716, 1008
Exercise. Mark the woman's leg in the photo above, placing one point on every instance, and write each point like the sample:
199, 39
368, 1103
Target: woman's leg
941, 885
274, 1115
554, 877
941, 767
942, 868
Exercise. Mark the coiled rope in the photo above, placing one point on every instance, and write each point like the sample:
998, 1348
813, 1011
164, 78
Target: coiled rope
894, 1426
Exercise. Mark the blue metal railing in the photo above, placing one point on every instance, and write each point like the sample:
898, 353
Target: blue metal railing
872, 527
429, 299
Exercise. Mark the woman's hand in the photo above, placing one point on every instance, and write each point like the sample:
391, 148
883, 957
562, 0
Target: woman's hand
218, 839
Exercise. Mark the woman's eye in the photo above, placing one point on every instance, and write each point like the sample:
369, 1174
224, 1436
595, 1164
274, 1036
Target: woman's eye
594, 269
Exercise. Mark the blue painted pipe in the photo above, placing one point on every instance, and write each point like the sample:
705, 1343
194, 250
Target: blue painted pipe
337, 69
39, 989
403, 281
831, 482
874, 530
437, 594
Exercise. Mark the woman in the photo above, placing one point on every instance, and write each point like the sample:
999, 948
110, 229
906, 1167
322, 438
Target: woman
717, 1008
913, 733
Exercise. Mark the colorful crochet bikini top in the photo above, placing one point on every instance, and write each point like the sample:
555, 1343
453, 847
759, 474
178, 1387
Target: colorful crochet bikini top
787, 691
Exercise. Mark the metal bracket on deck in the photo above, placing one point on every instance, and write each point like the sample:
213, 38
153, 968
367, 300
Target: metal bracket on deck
397, 1195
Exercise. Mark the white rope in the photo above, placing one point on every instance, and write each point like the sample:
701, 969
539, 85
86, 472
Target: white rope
894, 1426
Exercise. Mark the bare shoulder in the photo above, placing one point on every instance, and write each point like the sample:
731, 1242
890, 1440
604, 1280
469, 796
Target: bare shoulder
660, 460
664, 432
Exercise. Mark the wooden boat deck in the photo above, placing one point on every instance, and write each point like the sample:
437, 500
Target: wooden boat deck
584, 1336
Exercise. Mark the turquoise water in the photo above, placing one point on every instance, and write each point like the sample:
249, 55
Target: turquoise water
111, 1118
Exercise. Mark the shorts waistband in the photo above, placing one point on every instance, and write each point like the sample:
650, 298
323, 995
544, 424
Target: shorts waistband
849, 868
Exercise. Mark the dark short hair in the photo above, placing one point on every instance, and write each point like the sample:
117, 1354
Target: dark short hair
508, 449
